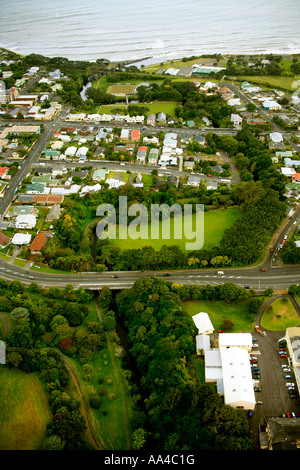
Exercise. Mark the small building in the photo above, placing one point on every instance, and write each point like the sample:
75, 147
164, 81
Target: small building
54, 212
203, 323
99, 175
240, 340
4, 240
39, 242
27, 221
194, 181
21, 239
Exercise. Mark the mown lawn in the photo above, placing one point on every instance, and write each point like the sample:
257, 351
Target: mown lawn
167, 107
24, 411
215, 223
219, 310
280, 315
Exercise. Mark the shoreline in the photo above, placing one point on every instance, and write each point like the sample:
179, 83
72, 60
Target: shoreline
163, 57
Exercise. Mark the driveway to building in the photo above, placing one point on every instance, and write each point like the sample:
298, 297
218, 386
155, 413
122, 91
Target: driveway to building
274, 393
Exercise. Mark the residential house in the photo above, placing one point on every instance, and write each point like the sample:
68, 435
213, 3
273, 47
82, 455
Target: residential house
21, 239
194, 181
36, 188
236, 119
70, 151
54, 212
90, 189
26, 221
141, 155
135, 134
23, 210
124, 134
4, 172
271, 105
99, 175
153, 156
161, 118
4, 240
151, 119
39, 242
289, 162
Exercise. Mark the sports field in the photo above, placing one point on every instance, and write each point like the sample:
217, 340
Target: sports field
121, 89
215, 223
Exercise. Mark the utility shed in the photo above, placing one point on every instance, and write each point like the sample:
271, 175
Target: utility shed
237, 378
203, 323
241, 340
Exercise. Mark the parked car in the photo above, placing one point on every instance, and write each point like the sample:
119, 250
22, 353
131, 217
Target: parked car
293, 414
257, 389
284, 366
255, 345
254, 339
288, 414
254, 361
264, 269
254, 368
282, 349
283, 355
259, 402
290, 384
286, 370
256, 376
293, 395
287, 376
250, 413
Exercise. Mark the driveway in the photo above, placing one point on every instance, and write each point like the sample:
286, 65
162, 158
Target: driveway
274, 394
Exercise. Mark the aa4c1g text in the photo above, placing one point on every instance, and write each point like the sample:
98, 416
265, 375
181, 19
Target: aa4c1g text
175, 459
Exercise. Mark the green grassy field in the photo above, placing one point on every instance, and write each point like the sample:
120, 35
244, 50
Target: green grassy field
24, 411
219, 310
167, 107
280, 315
215, 223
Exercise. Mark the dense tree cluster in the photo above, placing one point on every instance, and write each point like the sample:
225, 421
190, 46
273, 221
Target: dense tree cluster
45, 322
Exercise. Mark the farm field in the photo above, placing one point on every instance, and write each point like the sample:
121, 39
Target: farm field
215, 223
280, 315
24, 411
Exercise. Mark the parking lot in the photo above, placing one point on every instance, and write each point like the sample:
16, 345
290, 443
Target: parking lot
274, 393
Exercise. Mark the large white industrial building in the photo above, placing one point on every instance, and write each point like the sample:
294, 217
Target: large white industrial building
228, 365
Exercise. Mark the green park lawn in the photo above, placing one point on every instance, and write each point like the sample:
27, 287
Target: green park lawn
280, 315
167, 107
219, 310
24, 411
215, 223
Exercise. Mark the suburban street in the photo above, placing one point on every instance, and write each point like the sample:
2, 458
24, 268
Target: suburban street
277, 277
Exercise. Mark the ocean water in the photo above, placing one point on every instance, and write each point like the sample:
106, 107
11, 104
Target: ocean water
160, 29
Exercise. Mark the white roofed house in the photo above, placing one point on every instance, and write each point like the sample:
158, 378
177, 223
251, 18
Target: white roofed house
236, 119
27, 221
